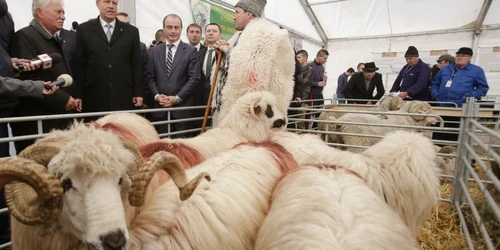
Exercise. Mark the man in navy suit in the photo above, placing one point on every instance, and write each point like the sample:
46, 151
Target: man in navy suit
174, 73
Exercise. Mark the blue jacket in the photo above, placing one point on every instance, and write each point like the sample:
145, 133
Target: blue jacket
467, 81
415, 81
341, 83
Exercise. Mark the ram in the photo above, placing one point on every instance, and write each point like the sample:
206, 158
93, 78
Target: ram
401, 169
330, 207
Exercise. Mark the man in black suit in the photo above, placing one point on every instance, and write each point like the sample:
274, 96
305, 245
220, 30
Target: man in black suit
68, 42
107, 62
213, 33
362, 85
174, 73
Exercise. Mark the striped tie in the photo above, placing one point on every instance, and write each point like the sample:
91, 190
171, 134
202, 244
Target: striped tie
108, 32
169, 58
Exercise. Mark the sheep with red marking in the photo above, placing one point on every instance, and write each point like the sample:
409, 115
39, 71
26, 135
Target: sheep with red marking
401, 169
130, 125
252, 118
224, 213
329, 207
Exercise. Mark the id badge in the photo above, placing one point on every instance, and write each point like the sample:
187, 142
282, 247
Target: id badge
448, 83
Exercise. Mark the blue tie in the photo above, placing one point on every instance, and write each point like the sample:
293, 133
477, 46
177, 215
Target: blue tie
108, 33
169, 58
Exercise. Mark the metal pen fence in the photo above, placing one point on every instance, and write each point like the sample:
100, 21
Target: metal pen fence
475, 213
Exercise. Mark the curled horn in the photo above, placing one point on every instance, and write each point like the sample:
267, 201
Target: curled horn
171, 164
29, 170
396, 103
132, 147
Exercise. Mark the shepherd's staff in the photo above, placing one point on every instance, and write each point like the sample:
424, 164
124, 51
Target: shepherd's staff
214, 80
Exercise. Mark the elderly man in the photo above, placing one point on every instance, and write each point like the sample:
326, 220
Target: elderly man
259, 56
413, 79
459, 80
362, 85
40, 37
107, 64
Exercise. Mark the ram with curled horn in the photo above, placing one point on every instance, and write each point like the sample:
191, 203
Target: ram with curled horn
71, 190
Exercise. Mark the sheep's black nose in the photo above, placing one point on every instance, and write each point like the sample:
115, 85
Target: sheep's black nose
114, 241
279, 123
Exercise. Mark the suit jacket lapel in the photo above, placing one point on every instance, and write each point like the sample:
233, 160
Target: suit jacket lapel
99, 29
178, 55
163, 58
117, 31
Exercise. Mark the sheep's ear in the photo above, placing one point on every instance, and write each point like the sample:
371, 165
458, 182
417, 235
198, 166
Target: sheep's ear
255, 108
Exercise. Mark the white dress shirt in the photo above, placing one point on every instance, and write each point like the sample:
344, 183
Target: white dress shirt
197, 46
103, 25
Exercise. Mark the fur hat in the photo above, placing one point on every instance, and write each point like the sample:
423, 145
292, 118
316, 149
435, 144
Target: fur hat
256, 7
411, 52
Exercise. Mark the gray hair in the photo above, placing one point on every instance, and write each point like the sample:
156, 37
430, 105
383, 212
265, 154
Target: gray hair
42, 4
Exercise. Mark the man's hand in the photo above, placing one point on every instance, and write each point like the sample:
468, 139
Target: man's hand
25, 62
163, 101
172, 100
403, 95
369, 102
78, 103
222, 46
325, 77
137, 101
298, 99
49, 92
322, 83
71, 104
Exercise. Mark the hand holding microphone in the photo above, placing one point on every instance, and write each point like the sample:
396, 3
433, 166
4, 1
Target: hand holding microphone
63, 80
43, 61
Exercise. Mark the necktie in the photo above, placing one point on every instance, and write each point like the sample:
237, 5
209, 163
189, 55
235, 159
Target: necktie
169, 58
108, 33
208, 68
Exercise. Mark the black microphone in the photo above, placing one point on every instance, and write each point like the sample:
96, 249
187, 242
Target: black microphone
63, 80
74, 25
44, 61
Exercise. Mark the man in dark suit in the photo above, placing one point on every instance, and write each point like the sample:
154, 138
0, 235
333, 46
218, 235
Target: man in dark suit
40, 37
68, 42
174, 74
208, 59
362, 85
107, 62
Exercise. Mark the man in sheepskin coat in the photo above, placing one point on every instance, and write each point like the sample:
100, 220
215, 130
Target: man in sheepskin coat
258, 57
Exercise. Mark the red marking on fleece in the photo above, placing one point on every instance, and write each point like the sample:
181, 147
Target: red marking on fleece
119, 130
188, 156
282, 157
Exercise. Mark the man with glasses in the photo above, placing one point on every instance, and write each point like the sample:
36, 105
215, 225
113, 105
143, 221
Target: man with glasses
459, 80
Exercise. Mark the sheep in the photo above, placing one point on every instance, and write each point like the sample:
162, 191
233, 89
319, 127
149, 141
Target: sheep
224, 213
69, 190
386, 103
133, 126
250, 119
416, 107
401, 169
446, 163
330, 207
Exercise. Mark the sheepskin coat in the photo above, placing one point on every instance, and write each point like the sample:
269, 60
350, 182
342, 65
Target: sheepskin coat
260, 58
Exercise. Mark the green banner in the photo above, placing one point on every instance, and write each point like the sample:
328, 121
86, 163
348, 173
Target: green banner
205, 12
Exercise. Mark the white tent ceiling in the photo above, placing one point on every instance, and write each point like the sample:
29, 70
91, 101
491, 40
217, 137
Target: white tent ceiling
352, 30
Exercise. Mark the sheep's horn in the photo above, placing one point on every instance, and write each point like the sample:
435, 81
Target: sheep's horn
395, 103
132, 147
48, 189
20, 196
171, 164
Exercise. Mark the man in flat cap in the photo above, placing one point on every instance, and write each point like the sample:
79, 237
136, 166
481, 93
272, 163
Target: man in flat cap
459, 80
259, 57
413, 79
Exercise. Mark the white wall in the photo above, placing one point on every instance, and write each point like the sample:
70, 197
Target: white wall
345, 54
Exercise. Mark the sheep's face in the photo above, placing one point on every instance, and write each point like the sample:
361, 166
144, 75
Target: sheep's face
423, 108
264, 107
93, 171
93, 209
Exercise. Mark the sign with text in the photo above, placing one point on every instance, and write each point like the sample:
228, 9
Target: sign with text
205, 12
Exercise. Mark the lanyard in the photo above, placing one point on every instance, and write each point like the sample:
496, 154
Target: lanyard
404, 75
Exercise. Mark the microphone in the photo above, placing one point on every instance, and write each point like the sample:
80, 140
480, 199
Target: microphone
63, 80
74, 25
44, 61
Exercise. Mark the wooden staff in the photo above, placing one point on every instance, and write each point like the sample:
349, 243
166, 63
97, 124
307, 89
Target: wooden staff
212, 87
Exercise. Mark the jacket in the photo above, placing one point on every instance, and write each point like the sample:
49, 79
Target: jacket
469, 81
414, 80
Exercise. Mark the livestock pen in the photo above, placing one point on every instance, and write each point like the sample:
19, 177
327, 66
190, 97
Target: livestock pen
468, 216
